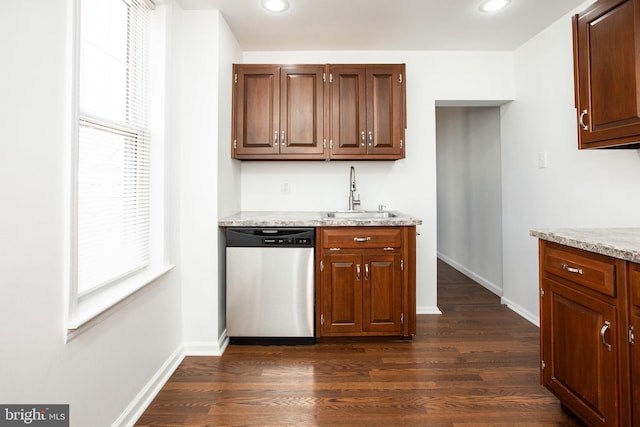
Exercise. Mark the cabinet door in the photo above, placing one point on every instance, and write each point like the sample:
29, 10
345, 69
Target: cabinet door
348, 111
634, 340
302, 110
382, 297
606, 36
342, 294
257, 99
580, 352
385, 130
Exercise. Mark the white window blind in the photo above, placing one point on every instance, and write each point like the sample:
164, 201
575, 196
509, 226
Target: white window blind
113, 172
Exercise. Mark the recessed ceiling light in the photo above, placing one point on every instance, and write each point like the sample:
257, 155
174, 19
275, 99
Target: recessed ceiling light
275, 5
493, 5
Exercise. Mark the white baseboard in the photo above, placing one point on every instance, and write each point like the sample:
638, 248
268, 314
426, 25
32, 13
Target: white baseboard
535, 319
496, 289
139, 404
202, 349
493, 288
205, 348
428, 310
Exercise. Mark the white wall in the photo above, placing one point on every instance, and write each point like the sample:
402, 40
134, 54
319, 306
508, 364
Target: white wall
204, 52
470, 192
101, 371
408, 185
228, 170
578, 189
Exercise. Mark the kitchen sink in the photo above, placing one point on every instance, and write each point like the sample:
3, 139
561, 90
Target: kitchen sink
360, 214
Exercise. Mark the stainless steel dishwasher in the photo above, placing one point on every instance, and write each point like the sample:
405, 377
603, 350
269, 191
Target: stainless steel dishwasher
270, 285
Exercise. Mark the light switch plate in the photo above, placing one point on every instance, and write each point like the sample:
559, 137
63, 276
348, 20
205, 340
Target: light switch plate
543, 160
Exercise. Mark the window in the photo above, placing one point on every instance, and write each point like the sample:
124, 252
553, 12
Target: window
113, 143
116, 218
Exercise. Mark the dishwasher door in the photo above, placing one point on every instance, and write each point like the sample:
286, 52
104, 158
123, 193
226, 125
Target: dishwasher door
270, 292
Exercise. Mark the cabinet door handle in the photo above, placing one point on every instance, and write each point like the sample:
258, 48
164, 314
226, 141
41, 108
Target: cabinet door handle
363, 138
275, 137
366, 272
565, 267
370, 138
603, 331
582, 115
361, 239
282, 138
358, 271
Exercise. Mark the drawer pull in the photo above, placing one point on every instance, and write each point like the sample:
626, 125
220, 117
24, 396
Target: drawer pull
361, 239
603, 331
565, 267
581, 120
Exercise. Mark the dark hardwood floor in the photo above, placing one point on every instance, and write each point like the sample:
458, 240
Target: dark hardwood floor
474, 365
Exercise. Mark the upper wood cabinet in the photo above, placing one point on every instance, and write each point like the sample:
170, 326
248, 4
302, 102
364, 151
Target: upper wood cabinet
278, 112
367, 111
606, 37
318, 112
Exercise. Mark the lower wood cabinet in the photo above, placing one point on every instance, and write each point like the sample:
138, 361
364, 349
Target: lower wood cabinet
633, 338
366, 281
585, 331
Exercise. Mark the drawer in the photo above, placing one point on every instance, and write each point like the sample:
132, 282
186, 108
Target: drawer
591, 270
362, 237
634, 284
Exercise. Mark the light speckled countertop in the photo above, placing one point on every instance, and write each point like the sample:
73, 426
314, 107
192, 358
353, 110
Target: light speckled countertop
622, 243
310, 219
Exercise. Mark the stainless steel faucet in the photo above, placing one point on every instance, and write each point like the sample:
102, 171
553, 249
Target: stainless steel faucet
353, 202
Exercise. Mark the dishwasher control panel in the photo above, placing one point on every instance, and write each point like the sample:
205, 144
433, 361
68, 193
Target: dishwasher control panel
288, 241
270, 237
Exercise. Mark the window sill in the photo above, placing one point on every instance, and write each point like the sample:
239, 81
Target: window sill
90, 311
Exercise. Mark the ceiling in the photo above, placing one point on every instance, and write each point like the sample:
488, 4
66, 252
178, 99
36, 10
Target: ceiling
385, 24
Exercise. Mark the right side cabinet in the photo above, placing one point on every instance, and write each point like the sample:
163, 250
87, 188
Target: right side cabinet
606, 37
588, 357
634, 304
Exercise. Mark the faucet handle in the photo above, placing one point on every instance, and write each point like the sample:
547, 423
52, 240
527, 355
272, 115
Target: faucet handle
381, 208
356, 202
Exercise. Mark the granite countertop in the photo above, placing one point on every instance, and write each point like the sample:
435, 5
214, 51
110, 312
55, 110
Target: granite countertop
622, 243
310, 219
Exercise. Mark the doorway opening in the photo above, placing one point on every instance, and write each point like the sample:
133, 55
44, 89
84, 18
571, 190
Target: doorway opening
469, 192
